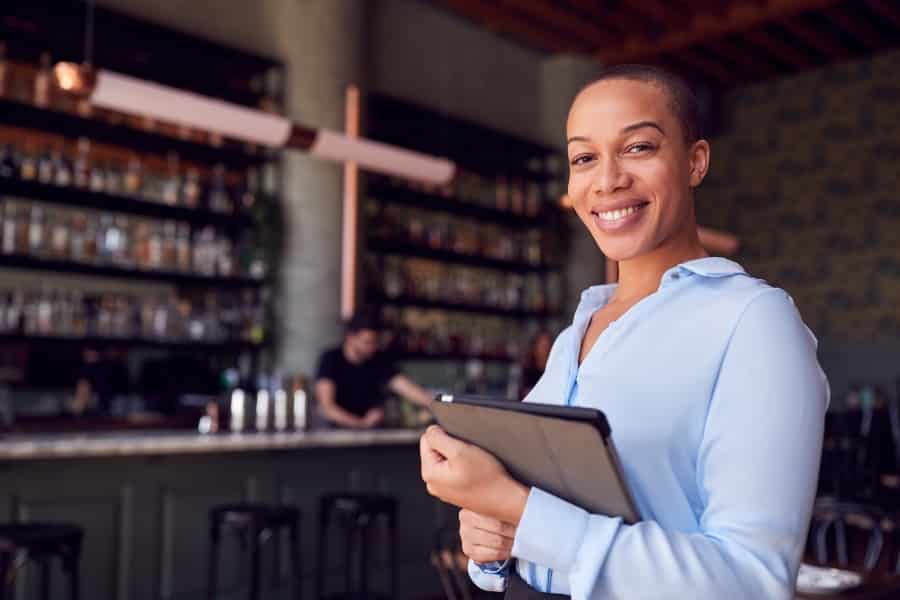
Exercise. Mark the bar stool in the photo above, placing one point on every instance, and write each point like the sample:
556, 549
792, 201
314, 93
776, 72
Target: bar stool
41, 542
355, 513
255, 523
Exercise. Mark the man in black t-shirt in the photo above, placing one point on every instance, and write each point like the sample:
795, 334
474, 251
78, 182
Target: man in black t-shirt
352, 378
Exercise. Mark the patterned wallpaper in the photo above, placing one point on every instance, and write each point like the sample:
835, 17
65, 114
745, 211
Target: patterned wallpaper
807, 173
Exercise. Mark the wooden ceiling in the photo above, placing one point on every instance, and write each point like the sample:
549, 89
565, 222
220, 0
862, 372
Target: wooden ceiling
722, 42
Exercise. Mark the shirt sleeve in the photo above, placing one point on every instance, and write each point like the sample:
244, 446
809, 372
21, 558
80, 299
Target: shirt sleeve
327, 367
491, 577
757, 467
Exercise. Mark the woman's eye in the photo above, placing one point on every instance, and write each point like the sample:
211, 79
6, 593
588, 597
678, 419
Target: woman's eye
581, 159
638, 148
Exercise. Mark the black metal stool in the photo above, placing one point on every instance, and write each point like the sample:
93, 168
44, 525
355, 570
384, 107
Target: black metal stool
255, 523
41, 542
355, 514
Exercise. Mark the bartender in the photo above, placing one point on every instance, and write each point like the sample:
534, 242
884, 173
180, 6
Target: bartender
352, 379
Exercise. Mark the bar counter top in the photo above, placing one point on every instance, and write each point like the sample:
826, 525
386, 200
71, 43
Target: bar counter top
134, 443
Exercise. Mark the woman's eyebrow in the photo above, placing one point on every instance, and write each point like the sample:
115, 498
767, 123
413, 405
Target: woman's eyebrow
626, 129
641, 125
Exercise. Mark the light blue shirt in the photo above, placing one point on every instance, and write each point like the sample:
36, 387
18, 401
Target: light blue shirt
717, 405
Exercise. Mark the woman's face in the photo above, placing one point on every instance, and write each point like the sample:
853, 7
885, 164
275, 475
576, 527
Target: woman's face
631, 173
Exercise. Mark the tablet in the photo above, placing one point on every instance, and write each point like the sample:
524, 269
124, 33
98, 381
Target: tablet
564, 450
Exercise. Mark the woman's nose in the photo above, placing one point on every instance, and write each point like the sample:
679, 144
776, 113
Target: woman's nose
610, 177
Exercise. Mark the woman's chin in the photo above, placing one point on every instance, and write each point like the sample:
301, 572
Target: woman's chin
620, 250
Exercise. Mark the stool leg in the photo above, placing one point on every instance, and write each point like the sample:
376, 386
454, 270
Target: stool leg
321, 550
212, 568
71, 558
255, 552
364, 560
46, 566
348, 559
296, 562
5, 558
392, 546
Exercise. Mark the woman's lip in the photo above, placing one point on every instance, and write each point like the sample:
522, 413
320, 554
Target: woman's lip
618, 225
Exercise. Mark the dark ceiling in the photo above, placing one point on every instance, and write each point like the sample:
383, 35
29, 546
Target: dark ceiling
723, 42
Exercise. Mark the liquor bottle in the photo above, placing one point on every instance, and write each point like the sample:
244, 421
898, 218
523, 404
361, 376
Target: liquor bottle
36, 237
113, 179
28, 165
77, 241
91, 238
9, 167
249, 193
154, 247
219, 200
134, 180
42, 81
190, 192
299, 404
59, 233
45, 167
171, 187
183, 247
517, 196
169, 246
97, 178
83, 164
501, 193
62, 168
532, 199
11, 219
123, 254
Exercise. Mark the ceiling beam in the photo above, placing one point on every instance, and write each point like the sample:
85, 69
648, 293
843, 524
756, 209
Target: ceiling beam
709, 68
855, 27
886, 10
742, 15
550, 13
616, 16
815, 38
662, 13
502, 21
779, 49
743, 59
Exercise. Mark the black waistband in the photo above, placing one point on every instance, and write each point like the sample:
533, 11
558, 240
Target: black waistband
516, 589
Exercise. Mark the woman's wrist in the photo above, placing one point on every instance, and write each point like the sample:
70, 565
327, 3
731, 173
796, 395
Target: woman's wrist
515, 498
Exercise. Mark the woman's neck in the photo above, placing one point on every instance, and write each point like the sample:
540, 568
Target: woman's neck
640, 276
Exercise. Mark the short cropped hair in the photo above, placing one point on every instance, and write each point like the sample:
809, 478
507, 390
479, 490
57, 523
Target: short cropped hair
682, 99
365, 318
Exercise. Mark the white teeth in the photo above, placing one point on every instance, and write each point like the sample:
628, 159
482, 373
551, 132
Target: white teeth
615, 215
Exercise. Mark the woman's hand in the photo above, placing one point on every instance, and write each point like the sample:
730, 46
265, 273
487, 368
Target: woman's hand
466, 476
485, 539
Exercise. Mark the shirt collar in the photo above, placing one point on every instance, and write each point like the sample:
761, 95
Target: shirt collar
711, 266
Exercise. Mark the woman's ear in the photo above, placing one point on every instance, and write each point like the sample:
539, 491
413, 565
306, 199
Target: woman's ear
698, 158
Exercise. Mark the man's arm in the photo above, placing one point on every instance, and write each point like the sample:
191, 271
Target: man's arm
404, 386
330, 409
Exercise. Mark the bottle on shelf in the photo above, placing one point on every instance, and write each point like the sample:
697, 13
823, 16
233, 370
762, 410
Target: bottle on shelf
28, 164
219, 200
36, 231
183, 247
113, 179
9, 167
190, 191
42, 82
62, 168
134, 176
82, 166
45, 166
171, 187
59, 227
299, 403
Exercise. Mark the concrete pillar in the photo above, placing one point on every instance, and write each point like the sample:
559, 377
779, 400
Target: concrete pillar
323, 45
562, 77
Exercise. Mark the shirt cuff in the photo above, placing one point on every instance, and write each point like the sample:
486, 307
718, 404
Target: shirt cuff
490, 577
492, 568
550, 532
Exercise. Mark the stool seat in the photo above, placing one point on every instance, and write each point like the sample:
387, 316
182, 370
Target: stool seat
257, 523
41, 542
247, 513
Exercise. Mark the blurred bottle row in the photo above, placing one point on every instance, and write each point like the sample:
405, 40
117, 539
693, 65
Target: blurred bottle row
436, 332
412, 278
105, 169
34, 85
209, 318
41, 230
505, 193
440, 231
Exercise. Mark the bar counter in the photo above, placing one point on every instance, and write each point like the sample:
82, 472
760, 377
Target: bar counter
80, 445
143, 499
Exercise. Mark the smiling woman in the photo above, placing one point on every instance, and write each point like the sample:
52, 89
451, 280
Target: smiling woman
707, 375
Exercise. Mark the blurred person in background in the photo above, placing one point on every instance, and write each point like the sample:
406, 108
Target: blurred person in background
353, 379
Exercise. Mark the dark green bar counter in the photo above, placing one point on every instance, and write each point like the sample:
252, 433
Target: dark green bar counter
143, 499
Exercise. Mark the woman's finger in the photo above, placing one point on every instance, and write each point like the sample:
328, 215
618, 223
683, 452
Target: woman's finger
442, 443
478, 521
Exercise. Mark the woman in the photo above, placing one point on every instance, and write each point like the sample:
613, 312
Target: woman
707, 375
